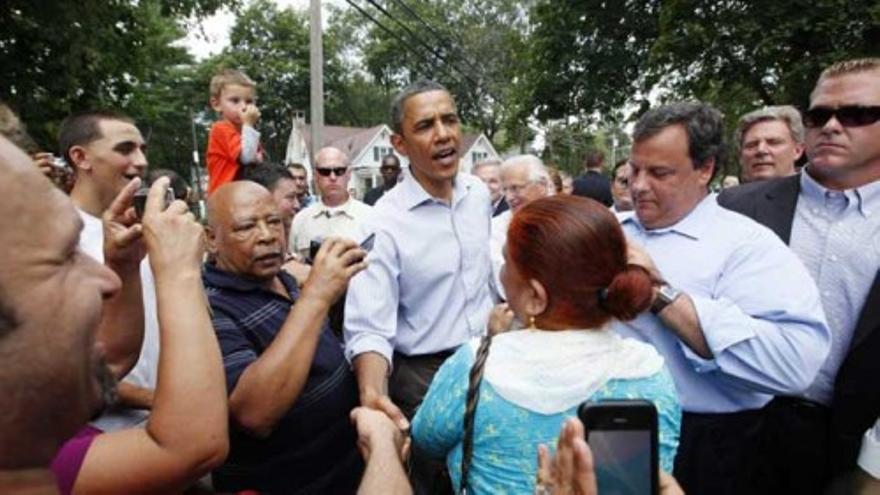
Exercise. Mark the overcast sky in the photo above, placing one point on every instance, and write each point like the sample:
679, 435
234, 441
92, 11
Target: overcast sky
213, 34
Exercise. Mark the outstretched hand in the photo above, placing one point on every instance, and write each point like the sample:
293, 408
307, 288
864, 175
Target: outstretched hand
376, 431
571, 470
382, 403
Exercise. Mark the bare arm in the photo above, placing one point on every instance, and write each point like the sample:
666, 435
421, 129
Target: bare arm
134, 396
681, 317
121, 330
269, 386
186, 434
383, 447
371, 370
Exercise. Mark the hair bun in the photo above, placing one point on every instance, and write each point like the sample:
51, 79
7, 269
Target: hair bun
629, 293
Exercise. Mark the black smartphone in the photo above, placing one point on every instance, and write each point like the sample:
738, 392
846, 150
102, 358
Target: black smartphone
367, 244
622, 434
140, 200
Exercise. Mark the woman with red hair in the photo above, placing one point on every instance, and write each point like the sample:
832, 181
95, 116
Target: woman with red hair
566, 276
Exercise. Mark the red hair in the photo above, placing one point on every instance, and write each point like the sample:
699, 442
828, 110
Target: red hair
576, 249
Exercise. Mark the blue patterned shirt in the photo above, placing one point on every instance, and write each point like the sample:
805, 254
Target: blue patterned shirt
837, 236
506, 436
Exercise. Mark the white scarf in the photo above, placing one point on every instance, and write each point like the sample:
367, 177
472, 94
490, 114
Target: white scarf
549, 372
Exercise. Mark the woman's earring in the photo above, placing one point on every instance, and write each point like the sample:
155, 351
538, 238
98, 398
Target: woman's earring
532, 322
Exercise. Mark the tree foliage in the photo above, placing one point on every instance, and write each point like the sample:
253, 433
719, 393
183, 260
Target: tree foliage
64, 57
472, 47
595, 56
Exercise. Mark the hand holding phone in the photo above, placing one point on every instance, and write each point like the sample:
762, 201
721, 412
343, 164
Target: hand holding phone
140, 200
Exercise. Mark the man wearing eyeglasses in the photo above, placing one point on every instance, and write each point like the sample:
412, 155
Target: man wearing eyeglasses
523, 179
337, 214
830, 216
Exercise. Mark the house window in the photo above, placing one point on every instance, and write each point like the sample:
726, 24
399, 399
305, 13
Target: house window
479, 156
380, 152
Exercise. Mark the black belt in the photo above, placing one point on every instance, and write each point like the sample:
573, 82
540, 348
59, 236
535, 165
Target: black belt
800, 404
419, 357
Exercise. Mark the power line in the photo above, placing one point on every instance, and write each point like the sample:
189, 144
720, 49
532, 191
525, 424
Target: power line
438, 35
431, 49
394, 35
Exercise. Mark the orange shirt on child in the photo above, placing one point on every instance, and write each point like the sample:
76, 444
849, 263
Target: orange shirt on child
224, 148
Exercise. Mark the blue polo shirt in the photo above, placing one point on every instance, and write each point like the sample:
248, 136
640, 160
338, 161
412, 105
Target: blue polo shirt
313, 447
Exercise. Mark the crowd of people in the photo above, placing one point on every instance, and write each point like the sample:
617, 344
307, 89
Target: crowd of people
439, 336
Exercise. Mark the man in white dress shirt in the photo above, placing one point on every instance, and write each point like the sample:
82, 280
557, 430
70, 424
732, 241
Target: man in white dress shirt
425, 290
337, 214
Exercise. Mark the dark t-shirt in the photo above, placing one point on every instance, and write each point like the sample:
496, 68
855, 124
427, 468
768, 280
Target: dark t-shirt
313, 447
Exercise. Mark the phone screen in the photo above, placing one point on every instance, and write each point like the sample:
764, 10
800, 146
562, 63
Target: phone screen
623, 461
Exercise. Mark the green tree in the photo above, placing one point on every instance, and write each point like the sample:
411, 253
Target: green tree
271, 45
472, 47
64, 57
591, 57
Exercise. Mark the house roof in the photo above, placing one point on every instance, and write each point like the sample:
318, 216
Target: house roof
351, 140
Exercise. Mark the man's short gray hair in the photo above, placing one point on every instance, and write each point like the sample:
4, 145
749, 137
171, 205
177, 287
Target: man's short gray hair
537, 171
703, 124
784, 113
418, 87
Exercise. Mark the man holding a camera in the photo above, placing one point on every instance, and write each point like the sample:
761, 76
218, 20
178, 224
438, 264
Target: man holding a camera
106, 151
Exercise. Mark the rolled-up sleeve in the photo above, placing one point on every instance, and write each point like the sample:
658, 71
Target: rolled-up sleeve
869, 454
371, 304
764, 322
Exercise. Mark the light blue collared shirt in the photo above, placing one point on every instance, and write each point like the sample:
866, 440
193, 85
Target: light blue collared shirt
758, 308
837, 235
426, 287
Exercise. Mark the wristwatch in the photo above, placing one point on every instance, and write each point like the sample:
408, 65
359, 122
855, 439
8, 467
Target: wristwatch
666, 294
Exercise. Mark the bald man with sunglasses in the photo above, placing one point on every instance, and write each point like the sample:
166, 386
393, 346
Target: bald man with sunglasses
337, 214
830, 216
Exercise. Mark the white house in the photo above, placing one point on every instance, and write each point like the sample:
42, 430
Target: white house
367, 146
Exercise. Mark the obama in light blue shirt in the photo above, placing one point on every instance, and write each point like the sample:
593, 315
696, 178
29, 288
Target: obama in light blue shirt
736, 314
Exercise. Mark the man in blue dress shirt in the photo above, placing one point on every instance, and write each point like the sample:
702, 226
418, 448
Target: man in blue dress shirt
426, 287
735, 313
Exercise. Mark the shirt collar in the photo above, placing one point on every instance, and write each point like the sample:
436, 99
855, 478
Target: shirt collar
693, 225
332, 211
222, 279
414, 194
866, 197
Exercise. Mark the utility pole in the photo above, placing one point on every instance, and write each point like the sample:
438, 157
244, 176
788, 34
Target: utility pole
316, 69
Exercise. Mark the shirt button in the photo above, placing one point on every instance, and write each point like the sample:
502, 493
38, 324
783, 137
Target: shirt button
833, 257
815, 211
826, 293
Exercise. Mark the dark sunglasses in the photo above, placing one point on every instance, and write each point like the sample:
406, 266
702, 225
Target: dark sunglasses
848, 116
338, 171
